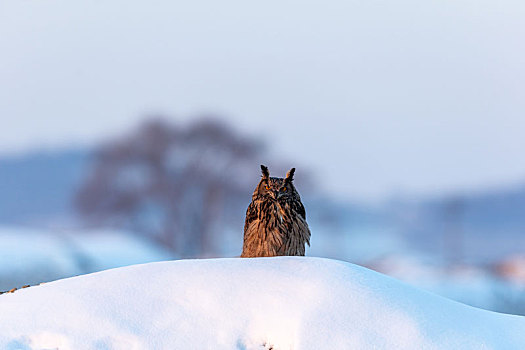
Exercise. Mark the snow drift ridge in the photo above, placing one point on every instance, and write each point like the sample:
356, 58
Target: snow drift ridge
262, 303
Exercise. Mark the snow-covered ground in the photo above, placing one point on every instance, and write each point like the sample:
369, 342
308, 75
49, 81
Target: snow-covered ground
265, 303
472, 285
388, 252
31, 256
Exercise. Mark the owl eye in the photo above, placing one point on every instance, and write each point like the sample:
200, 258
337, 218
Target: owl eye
284, 189
267, 187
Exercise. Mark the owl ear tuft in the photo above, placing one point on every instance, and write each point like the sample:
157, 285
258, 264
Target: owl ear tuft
265, 172
289, 175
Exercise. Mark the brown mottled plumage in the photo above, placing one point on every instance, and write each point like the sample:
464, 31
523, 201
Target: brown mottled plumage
275, 220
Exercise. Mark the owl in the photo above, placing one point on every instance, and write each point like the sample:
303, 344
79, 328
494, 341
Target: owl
275, 220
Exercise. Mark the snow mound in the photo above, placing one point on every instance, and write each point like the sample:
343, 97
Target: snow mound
266, 303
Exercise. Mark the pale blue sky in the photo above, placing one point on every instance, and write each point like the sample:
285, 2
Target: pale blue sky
378, 97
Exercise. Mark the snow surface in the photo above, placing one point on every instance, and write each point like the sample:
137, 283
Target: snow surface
265, 303
31, 256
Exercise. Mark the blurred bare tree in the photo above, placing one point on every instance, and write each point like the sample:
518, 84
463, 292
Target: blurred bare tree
176, 185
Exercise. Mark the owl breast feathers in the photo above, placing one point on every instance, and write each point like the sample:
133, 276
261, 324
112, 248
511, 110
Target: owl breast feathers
275, 220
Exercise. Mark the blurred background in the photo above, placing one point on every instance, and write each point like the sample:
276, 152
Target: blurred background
133, 132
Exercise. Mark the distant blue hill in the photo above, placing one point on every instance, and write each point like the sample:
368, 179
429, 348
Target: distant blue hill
471, 227
38, 187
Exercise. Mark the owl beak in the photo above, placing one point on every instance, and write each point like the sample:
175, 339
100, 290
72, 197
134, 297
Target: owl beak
275, 194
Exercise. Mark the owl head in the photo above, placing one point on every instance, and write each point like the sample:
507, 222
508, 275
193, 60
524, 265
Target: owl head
276, 188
